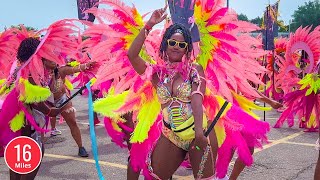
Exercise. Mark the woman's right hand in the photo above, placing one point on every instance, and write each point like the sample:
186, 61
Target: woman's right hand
200, 142
157, 16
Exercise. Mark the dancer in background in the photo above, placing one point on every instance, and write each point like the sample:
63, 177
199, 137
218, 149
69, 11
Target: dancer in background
317, 170
26, 98
38, 110
57, 80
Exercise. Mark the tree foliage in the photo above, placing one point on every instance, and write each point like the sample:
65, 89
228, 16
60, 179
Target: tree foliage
27, 27
243, 17
257, 21
306, 15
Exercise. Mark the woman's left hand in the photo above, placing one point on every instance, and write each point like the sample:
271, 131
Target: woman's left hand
200, 142
157, 16
275, 104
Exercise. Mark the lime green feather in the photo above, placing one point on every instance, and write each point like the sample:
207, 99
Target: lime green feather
108, 105
146, 117
68, 84
4, 88
310, 81
74, 63
248, 106
17, 122
2, 81
30, 93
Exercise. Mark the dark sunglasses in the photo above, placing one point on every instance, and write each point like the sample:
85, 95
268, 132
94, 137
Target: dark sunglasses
172, 43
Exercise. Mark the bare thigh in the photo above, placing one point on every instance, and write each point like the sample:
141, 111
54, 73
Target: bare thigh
214, 145
69, 117
166, 158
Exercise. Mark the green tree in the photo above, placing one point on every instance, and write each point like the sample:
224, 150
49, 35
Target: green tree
243, 17
306, 15
27, 27
257, 21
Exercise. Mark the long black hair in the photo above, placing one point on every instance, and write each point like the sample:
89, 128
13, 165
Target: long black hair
176, 28
27, 48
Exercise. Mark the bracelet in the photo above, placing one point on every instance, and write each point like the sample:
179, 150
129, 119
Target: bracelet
147, 27
48, 112
80, 68
146, 32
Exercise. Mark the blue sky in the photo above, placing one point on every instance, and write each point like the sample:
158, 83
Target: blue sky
41, 13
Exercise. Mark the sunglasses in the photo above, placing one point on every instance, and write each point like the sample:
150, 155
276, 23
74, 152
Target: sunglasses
172, 43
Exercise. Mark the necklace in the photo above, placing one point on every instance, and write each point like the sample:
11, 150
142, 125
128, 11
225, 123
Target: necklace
169, 76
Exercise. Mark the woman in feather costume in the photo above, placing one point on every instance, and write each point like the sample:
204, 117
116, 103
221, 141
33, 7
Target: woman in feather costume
37, 110
180, 98
27, 101
317, 171
57, 76
300, 93
225, 61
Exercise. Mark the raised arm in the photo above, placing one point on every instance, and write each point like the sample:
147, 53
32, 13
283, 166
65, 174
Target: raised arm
133, 53
68, 70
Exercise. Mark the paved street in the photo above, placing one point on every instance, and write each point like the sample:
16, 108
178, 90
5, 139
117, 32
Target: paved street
291, 155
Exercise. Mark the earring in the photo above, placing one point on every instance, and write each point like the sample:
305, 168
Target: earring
166, 57
188, 56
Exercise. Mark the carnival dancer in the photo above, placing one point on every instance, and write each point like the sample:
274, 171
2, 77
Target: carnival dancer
131, 92
38, 110
56, 83
317, 170
180, 93
302, 95
27, 100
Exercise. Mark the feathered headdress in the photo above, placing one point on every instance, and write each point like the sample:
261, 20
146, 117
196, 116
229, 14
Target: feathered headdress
59, 39
300, 95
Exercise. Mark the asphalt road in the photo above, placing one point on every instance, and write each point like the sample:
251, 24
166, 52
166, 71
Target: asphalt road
291, 155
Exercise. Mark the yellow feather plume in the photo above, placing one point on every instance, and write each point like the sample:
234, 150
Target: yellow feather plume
116, 126
68, 84
30, 93
312, 81
106, 106
4, 88
2, 81
17, 122
221, 102
146, 117
312, 121
248, 105
74, 63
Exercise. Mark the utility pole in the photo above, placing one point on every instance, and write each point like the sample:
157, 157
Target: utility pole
227, 3
289, 25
